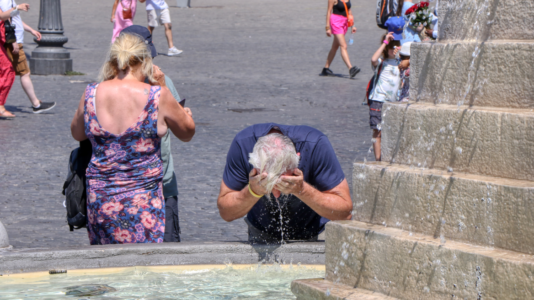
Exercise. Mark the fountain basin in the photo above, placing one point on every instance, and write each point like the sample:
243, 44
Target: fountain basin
255, 281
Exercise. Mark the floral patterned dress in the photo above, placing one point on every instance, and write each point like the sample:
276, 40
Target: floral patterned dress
125, 201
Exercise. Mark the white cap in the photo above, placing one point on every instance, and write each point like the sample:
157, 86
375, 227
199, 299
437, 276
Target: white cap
405, 49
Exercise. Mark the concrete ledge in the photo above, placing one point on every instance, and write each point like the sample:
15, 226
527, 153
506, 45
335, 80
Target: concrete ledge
486, 20
495, 73
414, 266
483, 210
33, 260
320, 289
486, 141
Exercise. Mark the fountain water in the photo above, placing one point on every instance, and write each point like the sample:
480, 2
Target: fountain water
446, 215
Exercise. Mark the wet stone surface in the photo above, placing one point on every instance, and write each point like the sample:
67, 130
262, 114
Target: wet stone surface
243, 63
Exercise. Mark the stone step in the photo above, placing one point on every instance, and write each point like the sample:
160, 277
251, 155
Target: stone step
407, 265
493, 73
486, 20
485, 141
320, 289
483, 210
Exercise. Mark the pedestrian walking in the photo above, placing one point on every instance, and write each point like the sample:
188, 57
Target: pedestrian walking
158, 14
7, 73
125, 120
122, 16
386, 68
338, 20
17, 56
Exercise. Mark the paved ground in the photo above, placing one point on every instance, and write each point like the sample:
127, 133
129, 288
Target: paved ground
244, 62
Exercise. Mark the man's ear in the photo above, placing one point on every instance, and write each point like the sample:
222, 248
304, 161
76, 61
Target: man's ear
298, 153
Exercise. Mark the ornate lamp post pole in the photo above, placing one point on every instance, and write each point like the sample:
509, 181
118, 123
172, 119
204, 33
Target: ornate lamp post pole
50, 57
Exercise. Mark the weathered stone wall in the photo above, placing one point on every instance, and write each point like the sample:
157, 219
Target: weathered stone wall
482, 210
413, 266
486, 20
496, 74
485, 141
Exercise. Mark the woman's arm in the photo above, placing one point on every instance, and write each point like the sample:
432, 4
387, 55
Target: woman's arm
77, 125
376, 56
174, 115
353, 25
114, 10
330, 6
5, 15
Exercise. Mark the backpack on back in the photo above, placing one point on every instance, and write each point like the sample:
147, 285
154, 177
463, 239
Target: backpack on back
74, 187
372, 83
384, 10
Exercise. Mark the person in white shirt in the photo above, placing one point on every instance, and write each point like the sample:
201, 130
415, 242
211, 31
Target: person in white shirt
16, 55
387, 85
158, 14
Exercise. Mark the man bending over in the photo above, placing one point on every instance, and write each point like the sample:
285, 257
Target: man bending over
286, 180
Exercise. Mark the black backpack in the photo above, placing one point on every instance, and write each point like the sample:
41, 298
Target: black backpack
372, 83
74, 187
384, 10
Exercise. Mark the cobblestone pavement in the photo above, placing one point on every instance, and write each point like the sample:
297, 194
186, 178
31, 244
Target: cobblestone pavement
244, 62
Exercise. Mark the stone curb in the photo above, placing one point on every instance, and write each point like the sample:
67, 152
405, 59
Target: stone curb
35, 260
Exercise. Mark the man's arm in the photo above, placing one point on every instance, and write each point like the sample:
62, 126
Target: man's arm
34, 32
334, 204
236, 204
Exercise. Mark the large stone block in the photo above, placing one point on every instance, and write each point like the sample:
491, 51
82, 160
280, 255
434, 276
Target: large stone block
412, 266
486, 19
497, 74
320, 289
485, 141
482, 210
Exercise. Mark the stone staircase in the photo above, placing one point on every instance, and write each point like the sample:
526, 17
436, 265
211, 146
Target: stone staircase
449, 213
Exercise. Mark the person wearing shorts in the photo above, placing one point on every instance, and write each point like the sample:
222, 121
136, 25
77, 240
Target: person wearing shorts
158, 15
336, 24
16, 55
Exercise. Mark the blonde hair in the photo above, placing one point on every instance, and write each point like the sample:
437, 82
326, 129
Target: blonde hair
128, 50
273, 154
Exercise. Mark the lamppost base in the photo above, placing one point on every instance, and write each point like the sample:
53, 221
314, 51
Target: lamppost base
50, 61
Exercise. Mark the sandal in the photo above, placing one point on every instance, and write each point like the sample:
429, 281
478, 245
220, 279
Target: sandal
5, 114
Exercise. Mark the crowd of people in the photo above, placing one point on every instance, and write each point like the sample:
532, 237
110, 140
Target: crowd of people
273, 172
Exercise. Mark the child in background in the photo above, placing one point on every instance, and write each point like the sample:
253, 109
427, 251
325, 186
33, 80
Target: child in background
386, 88
404, 67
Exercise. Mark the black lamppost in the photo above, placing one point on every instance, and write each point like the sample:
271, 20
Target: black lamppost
50, 57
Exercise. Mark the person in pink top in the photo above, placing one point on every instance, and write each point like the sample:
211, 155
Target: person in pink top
120, 7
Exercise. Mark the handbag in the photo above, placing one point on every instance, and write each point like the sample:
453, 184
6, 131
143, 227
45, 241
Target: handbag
10, 32
127, 12
11, 37
350, 18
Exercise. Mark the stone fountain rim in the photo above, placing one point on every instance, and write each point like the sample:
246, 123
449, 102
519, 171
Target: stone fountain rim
164, 254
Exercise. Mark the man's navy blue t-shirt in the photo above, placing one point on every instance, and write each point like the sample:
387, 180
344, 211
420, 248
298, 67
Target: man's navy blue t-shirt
321, 170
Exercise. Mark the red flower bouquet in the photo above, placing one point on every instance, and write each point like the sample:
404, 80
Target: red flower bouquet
419, 14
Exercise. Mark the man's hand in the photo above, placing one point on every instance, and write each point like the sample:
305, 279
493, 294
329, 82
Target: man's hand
291, 184
23, 7
16, 48
36, 34
159, 76
254, 180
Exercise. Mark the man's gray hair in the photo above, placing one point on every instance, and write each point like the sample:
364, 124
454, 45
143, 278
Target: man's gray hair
273, 154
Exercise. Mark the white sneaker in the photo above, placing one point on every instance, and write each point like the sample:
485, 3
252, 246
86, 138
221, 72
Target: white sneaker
173, 51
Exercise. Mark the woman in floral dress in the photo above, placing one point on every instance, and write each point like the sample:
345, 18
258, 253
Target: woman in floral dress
125, 119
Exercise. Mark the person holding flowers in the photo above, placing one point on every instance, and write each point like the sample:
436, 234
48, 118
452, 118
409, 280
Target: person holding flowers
410, 32
419, 17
